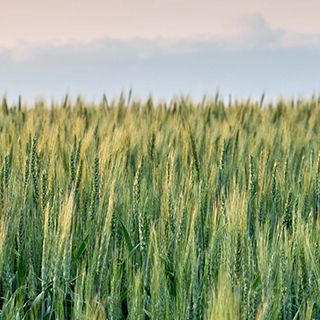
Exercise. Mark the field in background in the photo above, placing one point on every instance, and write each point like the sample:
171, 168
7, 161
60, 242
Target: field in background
130, 210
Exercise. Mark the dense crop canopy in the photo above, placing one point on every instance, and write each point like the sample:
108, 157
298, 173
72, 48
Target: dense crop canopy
136, 210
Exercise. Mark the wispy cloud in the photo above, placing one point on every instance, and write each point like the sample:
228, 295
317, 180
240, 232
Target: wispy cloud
256, 34
261, 59
259, 33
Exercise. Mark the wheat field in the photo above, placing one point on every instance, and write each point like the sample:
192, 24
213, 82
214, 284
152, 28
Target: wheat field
135, 209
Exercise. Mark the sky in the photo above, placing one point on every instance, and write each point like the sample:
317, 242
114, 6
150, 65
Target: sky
160, 47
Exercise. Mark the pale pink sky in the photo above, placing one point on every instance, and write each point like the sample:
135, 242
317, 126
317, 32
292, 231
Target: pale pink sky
60, 21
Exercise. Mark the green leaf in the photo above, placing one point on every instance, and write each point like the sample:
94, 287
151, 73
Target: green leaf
38, 299
126, 236
82, 248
